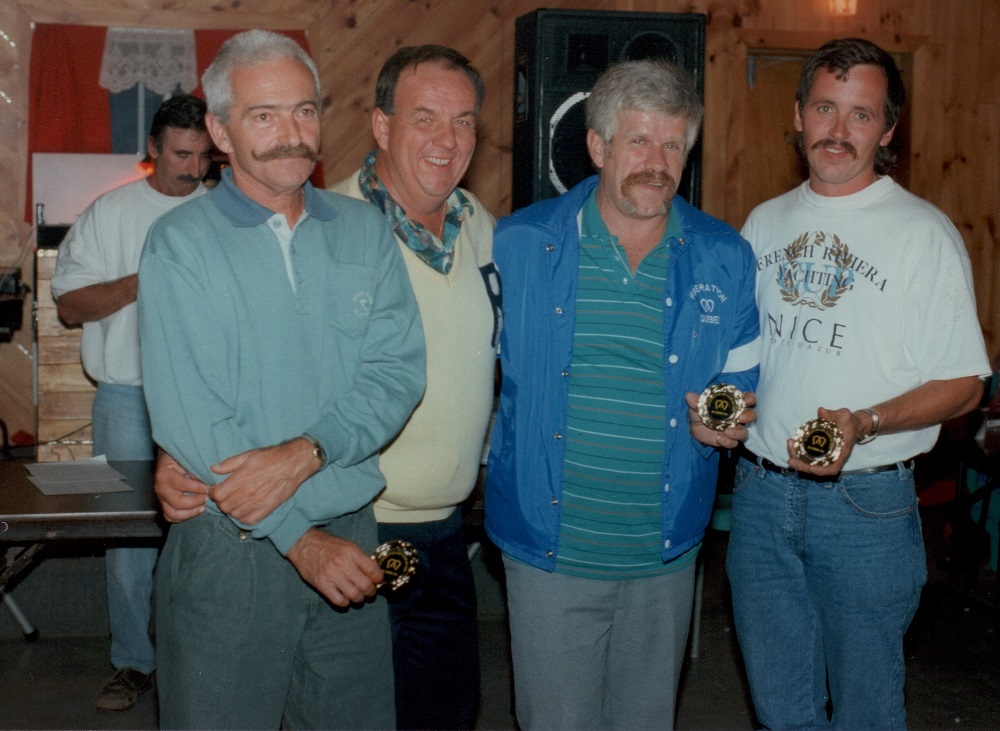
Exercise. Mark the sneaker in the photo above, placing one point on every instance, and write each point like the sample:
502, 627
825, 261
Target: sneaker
123, 689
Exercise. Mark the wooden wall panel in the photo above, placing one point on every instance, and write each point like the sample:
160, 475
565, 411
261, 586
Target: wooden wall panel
984, 235
73, 405
988, 88
955, 105
959, 101
350, 61
62, 452
61, 377
984, 178
206, 14
64, 392
17, 408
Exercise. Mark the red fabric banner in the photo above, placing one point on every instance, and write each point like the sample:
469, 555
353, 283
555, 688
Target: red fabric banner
68, 111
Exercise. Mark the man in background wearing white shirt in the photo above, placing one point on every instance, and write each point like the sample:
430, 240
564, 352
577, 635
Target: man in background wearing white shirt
95, 284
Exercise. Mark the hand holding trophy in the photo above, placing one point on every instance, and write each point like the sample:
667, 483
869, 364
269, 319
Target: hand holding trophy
398, 561
819, 442
720, 406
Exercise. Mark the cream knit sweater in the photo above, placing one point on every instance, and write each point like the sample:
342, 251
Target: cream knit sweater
433, 464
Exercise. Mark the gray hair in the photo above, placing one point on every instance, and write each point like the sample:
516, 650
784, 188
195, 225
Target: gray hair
248, 48
654, 86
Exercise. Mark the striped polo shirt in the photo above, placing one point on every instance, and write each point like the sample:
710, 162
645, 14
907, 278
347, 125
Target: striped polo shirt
611, 517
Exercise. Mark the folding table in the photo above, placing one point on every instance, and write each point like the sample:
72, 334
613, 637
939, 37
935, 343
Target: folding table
29, 517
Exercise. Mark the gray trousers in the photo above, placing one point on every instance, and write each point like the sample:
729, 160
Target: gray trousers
594, 654
244, 643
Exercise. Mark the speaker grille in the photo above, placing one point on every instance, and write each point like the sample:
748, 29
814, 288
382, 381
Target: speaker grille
560, 54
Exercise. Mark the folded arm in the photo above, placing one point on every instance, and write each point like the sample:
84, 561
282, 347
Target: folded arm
97, 301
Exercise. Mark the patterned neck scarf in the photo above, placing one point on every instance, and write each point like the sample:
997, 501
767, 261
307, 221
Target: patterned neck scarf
436, 253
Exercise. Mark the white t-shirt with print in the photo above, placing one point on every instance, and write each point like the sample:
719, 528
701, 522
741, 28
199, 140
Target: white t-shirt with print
862, 298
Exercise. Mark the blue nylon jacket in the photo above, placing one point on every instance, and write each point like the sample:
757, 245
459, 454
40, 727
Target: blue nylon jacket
711, 334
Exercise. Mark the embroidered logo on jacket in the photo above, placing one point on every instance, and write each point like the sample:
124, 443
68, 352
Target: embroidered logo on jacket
708, 297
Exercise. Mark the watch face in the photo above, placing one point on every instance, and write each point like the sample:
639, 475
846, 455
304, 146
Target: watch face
872, 430
318, 450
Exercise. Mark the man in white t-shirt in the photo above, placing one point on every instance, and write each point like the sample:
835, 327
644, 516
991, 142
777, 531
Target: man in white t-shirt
95, 284
867, 320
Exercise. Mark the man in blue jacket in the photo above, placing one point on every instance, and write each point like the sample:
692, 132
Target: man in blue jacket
621, 303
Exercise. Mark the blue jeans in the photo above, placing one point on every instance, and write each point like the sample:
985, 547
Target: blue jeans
122, 432
435, 639
596, 654
825, 577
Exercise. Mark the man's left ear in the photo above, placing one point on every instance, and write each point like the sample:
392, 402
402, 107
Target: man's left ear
595, 146
887, 137
218, 132
380, 128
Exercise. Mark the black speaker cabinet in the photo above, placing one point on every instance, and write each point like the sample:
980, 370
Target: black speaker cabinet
558, 56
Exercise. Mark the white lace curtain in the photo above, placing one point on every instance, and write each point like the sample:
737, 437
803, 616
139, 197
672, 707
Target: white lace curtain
160, 60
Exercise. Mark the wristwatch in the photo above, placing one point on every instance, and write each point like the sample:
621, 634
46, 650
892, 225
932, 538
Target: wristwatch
873, 432
318, 450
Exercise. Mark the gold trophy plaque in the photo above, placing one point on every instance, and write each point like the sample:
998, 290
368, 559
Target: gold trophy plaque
819, 442
398, 561
720, 406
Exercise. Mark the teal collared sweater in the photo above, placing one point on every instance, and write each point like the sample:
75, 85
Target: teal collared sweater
234, 359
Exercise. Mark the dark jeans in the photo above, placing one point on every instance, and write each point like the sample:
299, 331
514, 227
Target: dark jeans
435, 648
244, 643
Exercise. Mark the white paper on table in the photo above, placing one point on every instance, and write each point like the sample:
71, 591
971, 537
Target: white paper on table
79, 477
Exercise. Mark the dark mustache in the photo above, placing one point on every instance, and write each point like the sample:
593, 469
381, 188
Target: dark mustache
842, 144
649, 176
188, 179
285, 151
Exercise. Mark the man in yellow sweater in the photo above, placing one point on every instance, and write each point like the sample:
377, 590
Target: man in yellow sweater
427, 102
